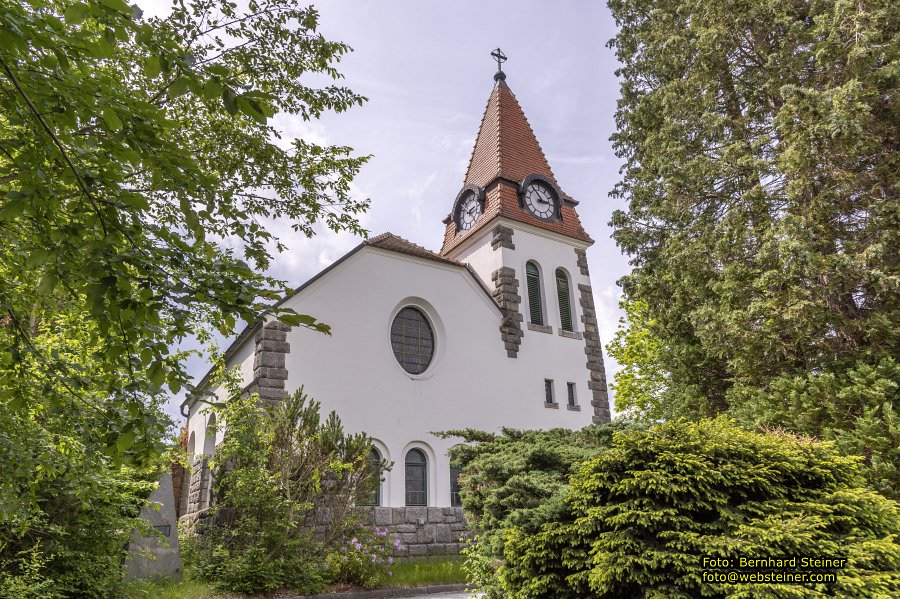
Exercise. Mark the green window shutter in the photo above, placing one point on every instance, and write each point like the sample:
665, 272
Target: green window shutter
533, 279
565, 307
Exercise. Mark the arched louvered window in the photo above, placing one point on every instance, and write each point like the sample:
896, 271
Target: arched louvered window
416, 478
535, 303
375, 465
565, 305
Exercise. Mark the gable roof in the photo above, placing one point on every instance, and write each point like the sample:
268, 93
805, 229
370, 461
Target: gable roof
385, 241
395, 243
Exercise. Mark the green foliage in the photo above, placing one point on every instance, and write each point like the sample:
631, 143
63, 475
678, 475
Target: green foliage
640, 382
759, 142
640, 517
279, 473
516, 480
68, 503
137, 159
365, 560
22, 575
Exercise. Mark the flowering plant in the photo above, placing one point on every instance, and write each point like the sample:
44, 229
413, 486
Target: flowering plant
366, 559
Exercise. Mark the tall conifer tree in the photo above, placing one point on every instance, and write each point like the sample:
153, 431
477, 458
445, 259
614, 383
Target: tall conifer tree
759, 142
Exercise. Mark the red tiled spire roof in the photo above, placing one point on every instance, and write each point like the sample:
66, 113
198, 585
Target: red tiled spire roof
506, 151
506, 145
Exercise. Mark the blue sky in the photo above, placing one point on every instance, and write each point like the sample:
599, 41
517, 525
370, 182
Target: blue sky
427, 71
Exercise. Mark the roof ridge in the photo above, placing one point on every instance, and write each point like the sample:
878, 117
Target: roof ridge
394, 243
487, 107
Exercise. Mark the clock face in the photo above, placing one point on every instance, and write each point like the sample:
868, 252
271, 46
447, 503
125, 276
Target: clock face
468, 211
540, 200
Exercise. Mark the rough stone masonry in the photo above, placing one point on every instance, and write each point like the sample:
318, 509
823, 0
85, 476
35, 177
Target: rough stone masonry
421, 530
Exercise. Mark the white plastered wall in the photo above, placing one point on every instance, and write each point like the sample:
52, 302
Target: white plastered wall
470, 383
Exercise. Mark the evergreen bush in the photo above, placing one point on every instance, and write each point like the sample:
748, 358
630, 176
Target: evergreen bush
640, 517
516, 479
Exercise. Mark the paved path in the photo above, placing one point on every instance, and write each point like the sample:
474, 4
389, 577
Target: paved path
457, 595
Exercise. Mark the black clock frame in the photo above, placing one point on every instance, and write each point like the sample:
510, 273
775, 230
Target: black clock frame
463, 193
554, 189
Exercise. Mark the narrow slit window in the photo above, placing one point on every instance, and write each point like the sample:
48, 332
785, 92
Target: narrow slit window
535, 305
548, 391
571, 388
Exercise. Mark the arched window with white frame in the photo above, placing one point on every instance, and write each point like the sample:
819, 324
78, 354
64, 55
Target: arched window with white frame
416, 478
374, 463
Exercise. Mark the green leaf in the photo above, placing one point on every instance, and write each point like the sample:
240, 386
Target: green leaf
10, 41
252, 109
118, 6
48, 283
125, 441
212, 89
229, 98
112, 119
75, 13
152, 66
173, 382
178, 87
157, 374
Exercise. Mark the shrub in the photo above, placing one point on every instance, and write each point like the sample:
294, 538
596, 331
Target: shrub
516, 479
640, 517
285, 485
365, 560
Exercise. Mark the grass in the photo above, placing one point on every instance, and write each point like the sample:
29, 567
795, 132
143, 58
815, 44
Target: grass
445, 569
407, 573
168, 589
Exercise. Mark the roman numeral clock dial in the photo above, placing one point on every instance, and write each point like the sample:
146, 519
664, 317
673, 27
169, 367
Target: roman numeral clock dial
541, 200
469, 206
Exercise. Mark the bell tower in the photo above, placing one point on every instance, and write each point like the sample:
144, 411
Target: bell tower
520, 232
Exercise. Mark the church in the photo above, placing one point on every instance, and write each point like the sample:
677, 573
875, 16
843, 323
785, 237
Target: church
496, 329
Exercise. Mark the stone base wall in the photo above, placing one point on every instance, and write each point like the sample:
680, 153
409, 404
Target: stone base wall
421, 530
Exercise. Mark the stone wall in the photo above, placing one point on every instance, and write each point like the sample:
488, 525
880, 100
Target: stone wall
506, 294
421, 530
581, 260
179, 485
269, 372
594, 352
502, 237
201, 482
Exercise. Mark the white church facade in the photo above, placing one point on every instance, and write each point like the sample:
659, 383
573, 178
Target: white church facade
496, 329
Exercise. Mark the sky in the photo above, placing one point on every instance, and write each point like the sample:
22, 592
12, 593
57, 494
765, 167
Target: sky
426, 70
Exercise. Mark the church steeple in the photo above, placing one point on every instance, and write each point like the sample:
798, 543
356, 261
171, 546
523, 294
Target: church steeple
506, 153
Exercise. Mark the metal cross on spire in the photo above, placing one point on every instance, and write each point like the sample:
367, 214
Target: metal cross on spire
500, 57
